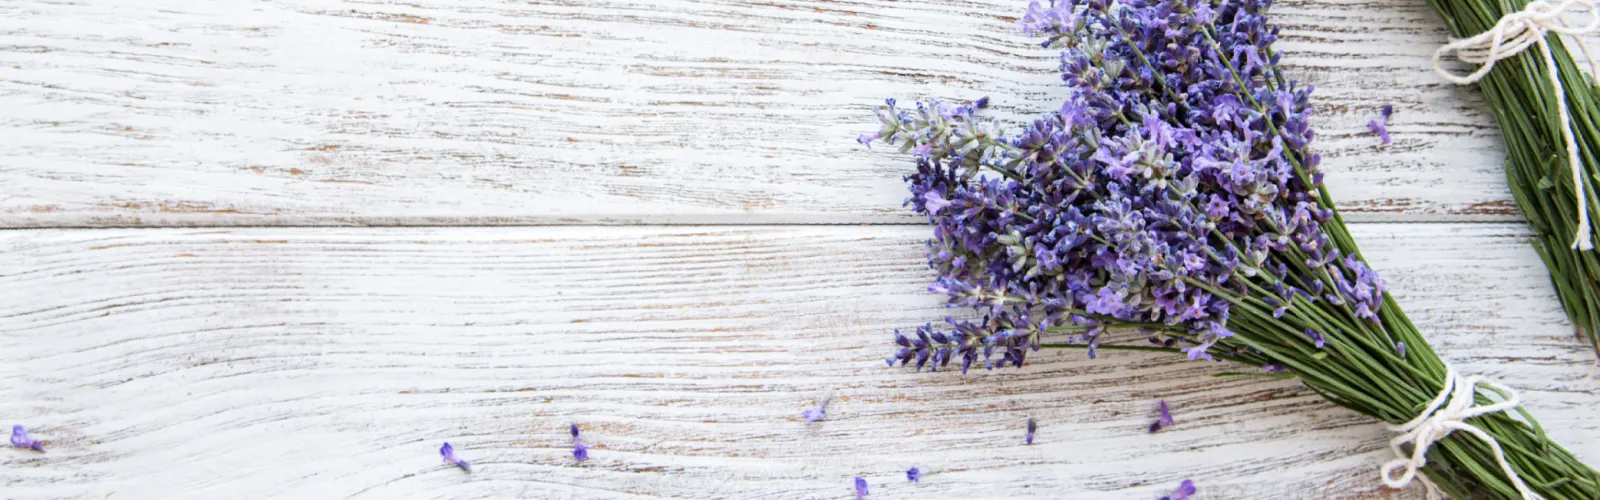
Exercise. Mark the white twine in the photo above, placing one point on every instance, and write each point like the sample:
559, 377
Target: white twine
1434, 423
1514, 33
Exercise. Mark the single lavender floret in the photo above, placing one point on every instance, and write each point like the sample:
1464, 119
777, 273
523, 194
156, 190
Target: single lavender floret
861, 488
579, 451
914, 474
449, 454
1183, 492
1317, 338
813, 414
1380, 125
19, 438
1164, 421
1400, 349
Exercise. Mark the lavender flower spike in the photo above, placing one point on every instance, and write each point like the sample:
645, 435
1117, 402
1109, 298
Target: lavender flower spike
861, 488
579, 451
812, 415
19, 438
449, 454
1033, 426
1164, 421
1380, 125
1183, 491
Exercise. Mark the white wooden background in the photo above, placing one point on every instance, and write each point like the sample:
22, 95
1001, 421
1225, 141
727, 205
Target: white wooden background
732, 253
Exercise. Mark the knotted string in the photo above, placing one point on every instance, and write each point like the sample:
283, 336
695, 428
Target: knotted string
1436, 422
1514, 33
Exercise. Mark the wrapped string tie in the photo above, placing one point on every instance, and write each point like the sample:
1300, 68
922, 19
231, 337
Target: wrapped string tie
1440, 419
1513, 34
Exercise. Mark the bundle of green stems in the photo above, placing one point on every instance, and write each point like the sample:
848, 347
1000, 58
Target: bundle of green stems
1525, 103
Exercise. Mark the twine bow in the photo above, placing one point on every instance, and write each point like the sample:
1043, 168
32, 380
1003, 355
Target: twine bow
1434, 423
1513, 34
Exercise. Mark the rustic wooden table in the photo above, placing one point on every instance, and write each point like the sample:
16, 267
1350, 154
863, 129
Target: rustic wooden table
285, 248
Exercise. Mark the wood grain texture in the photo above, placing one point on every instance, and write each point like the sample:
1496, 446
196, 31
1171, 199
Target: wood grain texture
451, 112
329, 363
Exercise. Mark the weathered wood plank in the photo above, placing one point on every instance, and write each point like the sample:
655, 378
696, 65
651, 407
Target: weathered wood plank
446, 112
325, 363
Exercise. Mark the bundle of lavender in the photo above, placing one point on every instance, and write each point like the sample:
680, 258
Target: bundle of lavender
1549, 115
1176, 191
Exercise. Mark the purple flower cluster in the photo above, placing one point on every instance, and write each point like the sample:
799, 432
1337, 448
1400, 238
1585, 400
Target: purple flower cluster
1175, 181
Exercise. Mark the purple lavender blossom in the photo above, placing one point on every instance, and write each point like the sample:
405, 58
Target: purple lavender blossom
1400, 349
1164, 421
1380, 125
1176, 176
861, 488
449, 454
19, 438
579, 451
1183, 492
914, 475
1033, 426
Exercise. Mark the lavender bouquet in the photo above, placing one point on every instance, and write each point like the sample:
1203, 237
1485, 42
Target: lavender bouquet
1176, 191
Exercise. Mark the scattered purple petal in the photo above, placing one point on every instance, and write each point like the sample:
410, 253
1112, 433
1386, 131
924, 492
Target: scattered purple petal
812, 415
861, 488
579, 451
1183, 492
449, 454
1033, 426
19, 438
1164, 421
914, 475
1380, 125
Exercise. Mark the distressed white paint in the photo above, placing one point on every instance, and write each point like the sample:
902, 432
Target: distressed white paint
327, 112
326, 363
